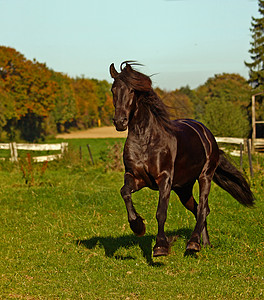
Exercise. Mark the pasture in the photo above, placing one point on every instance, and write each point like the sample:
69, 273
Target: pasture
66, 236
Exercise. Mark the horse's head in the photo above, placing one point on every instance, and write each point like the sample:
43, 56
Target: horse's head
123, 100
124, 89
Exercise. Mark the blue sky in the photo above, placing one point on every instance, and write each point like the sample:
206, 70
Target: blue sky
180, 41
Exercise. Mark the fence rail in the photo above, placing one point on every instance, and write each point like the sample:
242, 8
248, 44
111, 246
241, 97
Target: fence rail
245, 145
63, 147
232, 140
14, 147
258, 143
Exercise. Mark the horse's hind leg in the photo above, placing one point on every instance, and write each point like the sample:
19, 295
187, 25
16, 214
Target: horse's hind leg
186, 196
135, 220
202, 212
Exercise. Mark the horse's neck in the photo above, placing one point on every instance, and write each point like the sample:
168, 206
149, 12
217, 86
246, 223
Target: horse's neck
143, 125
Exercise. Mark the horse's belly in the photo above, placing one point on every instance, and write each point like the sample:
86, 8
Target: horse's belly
184, 176
188, 169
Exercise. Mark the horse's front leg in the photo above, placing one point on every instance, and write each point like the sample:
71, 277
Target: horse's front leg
162, 244
135, 220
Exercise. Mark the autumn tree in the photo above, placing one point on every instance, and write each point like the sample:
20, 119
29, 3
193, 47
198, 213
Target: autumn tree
104, 101
31, 87
86, 102
108, 110
179, 104
7, 107
36, 101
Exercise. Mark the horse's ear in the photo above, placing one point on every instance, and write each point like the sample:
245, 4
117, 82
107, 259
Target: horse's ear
113, 71
128, 67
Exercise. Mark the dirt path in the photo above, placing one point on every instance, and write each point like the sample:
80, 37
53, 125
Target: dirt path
99, 132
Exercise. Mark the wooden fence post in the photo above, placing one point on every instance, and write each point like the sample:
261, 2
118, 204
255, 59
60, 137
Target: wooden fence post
64, 148
90, 153
250, 158
80, 152
13, 152
241, 156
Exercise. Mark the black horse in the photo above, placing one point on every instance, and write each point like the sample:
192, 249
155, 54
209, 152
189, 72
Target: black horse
167, 155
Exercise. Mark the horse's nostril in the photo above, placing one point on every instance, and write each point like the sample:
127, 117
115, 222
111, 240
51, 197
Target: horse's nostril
120, 121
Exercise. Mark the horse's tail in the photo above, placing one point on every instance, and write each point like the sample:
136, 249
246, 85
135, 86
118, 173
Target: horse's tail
229, 178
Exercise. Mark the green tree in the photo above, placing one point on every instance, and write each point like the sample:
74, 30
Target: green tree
225, 118
256, 67
65, 110
186, 90
223, 99
228, 87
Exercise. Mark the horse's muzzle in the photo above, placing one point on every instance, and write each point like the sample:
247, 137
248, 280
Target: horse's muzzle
120, 124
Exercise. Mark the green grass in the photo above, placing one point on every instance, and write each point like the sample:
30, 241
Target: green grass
67, 237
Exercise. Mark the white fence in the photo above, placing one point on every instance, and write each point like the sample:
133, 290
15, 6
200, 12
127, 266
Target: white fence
14, 147
258, 144
63, 147
231, 140
245, 145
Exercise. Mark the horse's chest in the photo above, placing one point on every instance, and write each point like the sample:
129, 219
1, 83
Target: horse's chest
147, 158
138, 154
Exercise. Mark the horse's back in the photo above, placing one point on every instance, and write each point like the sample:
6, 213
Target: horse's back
192, 129
195, 146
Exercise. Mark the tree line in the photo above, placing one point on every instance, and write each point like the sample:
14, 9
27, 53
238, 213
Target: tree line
36, 101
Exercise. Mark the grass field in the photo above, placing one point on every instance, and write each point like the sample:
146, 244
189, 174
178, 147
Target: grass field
65, 235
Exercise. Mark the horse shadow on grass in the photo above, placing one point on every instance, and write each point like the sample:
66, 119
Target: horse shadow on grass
112, 244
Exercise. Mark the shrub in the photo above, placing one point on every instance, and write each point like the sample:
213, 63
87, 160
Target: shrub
112, 157
224, 118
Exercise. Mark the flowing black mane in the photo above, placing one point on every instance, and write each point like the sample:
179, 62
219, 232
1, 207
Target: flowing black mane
138, 81
142, 84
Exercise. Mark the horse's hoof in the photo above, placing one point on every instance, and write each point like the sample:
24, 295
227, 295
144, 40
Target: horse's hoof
193, 246
160, 251
138, 226
162, 248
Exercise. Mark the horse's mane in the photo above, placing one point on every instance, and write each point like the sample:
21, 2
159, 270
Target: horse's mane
142, 84
138, 81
